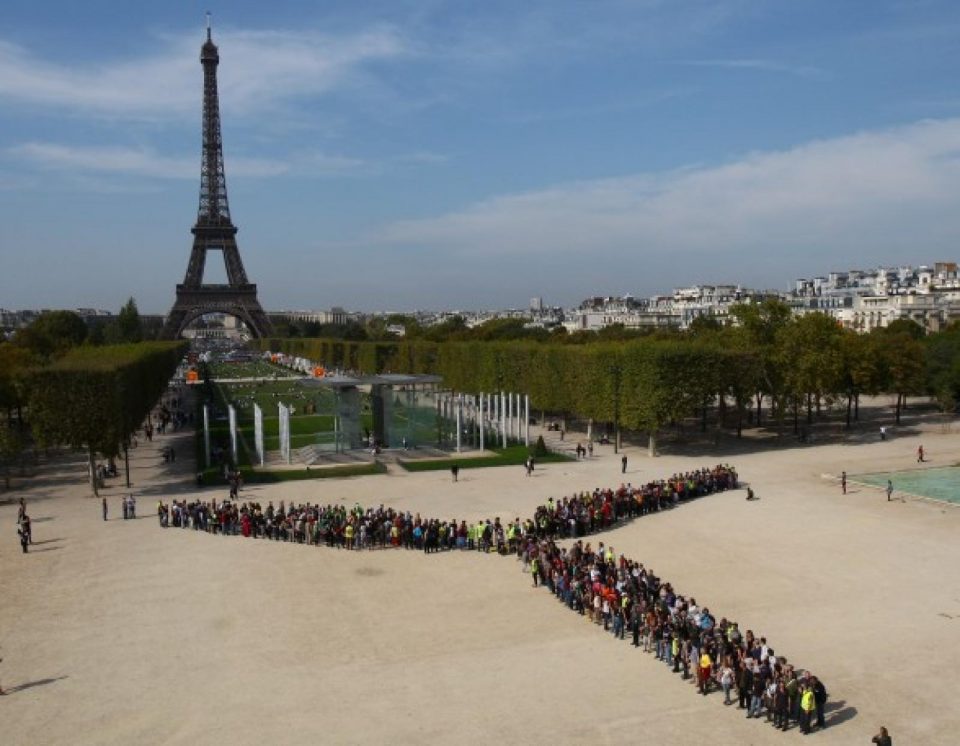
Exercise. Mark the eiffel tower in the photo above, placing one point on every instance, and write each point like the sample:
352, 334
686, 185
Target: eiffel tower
214, 231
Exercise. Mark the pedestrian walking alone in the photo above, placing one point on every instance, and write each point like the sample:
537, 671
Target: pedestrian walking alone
104, 508
623, 464
920, 454
889, 490
843, 482
455, 472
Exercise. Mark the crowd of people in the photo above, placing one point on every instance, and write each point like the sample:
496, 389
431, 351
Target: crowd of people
610, 590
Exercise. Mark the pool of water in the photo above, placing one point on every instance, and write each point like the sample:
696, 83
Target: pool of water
940, 484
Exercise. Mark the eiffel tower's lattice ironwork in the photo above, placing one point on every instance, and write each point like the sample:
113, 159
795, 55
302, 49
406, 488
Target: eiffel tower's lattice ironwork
214, 231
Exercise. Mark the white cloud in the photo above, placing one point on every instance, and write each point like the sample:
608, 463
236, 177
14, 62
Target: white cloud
258, 69
134, 161
846, 200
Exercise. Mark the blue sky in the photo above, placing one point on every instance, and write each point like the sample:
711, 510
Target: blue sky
447, 154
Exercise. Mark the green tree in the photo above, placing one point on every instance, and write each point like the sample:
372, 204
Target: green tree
128, 323
903, 359
762, 324
52, 334
11, 447
96, 397
812, 361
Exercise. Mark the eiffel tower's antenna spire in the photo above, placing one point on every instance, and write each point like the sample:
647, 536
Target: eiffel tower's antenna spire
208, 26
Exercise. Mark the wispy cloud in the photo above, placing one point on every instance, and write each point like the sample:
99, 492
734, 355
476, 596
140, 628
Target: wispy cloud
759, 65
264, 67
146, 162
853, 197
133, 161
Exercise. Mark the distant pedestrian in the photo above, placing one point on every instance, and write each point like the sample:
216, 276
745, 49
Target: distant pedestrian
455, 471
104, 500
843, 482
2, 691
623, 464
123, 504
889, 490
590, 448
920, 453
883, 432
882, 738
24, 537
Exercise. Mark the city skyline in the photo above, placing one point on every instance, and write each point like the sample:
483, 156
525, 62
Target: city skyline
444, 156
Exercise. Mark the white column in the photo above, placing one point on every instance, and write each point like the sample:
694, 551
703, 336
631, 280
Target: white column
232, 418
519, 414
459, 411
526, 419
206, 434
503, 418
258, 432
480, 420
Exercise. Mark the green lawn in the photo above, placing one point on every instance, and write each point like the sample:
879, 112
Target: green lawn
510, 456
213, 477
252, 369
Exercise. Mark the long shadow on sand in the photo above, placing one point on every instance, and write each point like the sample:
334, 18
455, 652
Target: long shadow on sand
838, 712
31, 684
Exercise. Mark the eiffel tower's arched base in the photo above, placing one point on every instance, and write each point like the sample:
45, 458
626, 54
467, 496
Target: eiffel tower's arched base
238, 301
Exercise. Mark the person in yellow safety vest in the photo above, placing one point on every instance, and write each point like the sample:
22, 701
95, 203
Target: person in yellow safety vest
807, 706
348, 535
535, 571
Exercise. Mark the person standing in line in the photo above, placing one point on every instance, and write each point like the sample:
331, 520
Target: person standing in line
807, 707
889, 489
24, 538
843, 482
920, 454
819, 699
623, 464
104, 501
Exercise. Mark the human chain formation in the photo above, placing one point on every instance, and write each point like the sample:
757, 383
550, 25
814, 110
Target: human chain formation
603, 587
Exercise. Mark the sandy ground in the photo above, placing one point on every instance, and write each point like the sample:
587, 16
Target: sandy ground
121, 633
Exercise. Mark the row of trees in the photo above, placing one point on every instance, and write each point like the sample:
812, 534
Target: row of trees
95, 398
60, 385
793, 366
455, 329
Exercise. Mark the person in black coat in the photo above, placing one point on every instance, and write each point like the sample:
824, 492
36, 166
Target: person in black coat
819, 699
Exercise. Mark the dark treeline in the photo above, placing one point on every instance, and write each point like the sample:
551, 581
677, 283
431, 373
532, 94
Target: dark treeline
59, 385
769, 365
